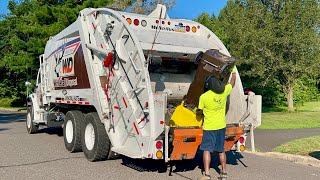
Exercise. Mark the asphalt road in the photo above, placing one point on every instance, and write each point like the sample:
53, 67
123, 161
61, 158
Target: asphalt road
43, 156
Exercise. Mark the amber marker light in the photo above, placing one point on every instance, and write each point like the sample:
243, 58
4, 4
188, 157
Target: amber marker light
129, 20
242, 148
194, 29
159, 154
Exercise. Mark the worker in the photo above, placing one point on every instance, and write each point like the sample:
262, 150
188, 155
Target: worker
212, 104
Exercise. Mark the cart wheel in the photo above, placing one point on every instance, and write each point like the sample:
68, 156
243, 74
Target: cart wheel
198, 57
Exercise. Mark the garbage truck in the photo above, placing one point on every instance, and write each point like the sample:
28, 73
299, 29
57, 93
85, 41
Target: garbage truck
117, 82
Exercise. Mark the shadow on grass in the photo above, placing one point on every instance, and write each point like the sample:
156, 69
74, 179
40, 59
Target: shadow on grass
315, 154
175, 167
274, 109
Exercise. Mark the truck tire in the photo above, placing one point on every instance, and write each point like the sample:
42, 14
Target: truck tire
72, 130
31, 126
94, 138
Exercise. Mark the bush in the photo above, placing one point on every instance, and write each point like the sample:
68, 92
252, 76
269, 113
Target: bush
18, 102
5, 102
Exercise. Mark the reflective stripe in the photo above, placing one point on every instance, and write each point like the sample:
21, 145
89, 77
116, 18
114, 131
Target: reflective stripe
124, 101
135, 127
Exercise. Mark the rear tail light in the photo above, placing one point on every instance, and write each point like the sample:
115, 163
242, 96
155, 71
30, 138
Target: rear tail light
159, 145
157, 21
136, 22
241, 144
129, 20
169, 23
241, 140
162, 22
187, 28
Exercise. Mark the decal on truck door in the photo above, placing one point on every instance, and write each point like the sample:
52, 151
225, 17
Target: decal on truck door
70, 70
67, 66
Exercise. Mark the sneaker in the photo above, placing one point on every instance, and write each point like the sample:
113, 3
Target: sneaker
223, 176
205, 177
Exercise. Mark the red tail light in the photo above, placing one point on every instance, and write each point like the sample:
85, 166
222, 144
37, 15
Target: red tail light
159, 145
136, 22
187, 28
241, 140
163, 22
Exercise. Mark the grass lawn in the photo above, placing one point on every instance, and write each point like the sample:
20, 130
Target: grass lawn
306, 116
13, 108
306, 147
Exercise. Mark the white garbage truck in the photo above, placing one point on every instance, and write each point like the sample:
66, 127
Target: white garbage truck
115, 80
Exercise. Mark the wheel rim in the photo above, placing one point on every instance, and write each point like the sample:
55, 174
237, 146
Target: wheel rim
69, 131
89, 136
29, 120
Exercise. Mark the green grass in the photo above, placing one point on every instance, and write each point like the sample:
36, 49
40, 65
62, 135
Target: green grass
6, 104
13, 108
306, 116
306, 147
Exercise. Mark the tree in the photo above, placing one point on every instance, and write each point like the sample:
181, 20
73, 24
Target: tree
23, 36
26, 29
147, 6
276, 41
213, 23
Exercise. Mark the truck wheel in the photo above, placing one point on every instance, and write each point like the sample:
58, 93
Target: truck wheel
94, 138
31, 126
72, 130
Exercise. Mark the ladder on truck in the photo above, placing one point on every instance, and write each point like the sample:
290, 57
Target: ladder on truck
126, 92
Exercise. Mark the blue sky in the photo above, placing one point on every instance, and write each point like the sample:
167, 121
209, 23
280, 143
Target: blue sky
187, 9
3, 6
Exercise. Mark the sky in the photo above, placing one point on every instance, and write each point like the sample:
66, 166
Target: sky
184, 9
189, 9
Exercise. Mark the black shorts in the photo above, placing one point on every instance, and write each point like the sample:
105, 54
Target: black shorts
213, 140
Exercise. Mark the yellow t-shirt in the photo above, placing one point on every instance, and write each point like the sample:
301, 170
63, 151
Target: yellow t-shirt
214, 108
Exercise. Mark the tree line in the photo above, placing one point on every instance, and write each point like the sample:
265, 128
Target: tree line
25, 30
276, 42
